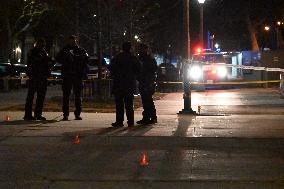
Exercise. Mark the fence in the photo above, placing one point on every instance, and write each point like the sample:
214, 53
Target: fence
97, 89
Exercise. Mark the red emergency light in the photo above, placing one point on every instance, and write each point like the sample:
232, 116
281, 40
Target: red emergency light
198, 50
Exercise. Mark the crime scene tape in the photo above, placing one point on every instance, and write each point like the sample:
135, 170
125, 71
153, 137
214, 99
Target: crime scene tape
49, 79
225, 83
255, 68
191, 82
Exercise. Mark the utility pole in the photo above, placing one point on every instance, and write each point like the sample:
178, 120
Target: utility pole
186, 86
131, 22
99, 40
110, 29
99, 47
77, 19
186, 30
202, 25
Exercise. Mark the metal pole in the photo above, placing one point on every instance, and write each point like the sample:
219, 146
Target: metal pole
99, 47
131, 22
186, 86
201, 26
77, 18
278, 33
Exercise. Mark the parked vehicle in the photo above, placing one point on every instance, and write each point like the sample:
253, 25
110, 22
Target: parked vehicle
56, 75
93, 65
5, 69
207, 68
167, 73
16, 73
20, 71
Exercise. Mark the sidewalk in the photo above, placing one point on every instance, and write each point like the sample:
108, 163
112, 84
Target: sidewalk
215, 150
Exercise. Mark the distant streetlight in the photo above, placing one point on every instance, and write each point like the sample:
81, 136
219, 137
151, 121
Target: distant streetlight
266, 28
136, 37
201, 2
217, 46
279, 23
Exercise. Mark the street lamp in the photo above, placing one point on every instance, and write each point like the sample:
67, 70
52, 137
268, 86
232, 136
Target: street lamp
217, 45
186, 53
266, 28
201, 2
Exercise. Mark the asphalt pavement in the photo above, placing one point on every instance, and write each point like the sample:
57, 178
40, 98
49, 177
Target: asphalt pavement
236, 142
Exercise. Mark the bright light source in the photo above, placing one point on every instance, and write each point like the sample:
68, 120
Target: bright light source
222, 71
278, 23
198, 50
214, 71
136, 37
195, 72
266, 28
201, 1
95, 15
217, 46
18, 50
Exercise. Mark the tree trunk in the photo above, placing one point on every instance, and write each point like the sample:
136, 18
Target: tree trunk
253, 38
77, 19
9, 39
110, 30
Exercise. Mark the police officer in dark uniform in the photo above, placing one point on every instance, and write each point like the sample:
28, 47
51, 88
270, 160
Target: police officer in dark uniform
74, 61
147, 85
38, 70
124, 69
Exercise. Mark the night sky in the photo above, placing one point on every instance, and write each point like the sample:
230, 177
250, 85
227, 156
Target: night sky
227, 20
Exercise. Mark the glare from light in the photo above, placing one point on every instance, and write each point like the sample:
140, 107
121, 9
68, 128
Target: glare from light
213, 71
222, 71
201, 1
195, 72
217, 46
18, 50
198, 50
278, 23
266, 28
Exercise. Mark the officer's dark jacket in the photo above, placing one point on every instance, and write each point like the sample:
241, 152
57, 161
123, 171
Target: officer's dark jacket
124, 69
38, 64
147, 75
74, 61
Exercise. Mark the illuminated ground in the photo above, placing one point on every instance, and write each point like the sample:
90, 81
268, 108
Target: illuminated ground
237, 142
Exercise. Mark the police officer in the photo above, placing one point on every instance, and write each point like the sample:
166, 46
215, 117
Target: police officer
124, 69
147, 85
74, 61
38, 70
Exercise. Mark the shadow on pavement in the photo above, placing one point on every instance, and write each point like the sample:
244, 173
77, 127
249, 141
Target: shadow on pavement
23, 122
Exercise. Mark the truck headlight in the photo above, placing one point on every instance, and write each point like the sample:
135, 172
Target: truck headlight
222, 71
195, 72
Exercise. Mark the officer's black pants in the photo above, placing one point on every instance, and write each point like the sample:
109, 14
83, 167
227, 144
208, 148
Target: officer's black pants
148, 106
39, 87
69, 83
126, 101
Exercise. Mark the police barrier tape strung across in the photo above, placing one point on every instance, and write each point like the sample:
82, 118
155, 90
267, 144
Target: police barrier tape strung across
195, 83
